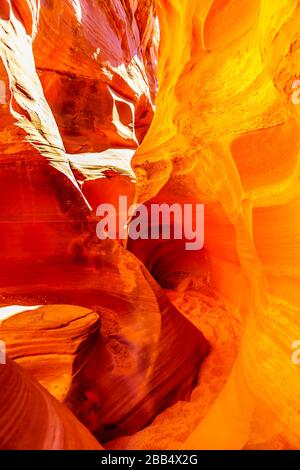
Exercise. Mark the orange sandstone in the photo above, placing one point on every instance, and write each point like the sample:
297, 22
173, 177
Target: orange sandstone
79, 127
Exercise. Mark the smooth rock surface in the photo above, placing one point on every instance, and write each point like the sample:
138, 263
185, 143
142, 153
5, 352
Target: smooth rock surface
31, 419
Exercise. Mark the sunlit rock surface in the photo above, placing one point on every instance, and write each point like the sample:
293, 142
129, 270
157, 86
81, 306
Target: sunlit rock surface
31, 419
52, 342
79, 79
117, 378
80, 82
226, 132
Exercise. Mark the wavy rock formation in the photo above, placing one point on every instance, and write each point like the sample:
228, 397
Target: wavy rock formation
31, 419
226, 133
118, 382
69, 116
52, 342
80, 82
222, 330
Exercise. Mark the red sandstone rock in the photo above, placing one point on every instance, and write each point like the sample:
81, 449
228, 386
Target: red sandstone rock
80, 82
52, 342
83, 102
79, 79
148, 355
31, 419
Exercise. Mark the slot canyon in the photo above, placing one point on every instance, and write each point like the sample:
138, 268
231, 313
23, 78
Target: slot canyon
140, 344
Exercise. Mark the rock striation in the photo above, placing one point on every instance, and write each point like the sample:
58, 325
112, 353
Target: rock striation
31, 419
226, 133
115, 378
81, 123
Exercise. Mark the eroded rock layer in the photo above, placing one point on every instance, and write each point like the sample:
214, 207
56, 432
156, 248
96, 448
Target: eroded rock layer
31, 419
78, 80
226, 133
145, 357
52, 342
78, 85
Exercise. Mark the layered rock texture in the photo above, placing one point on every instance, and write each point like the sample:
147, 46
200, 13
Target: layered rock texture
139, 342
32, 419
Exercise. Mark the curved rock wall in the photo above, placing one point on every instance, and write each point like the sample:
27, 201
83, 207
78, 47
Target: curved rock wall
79, 82
226, 133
